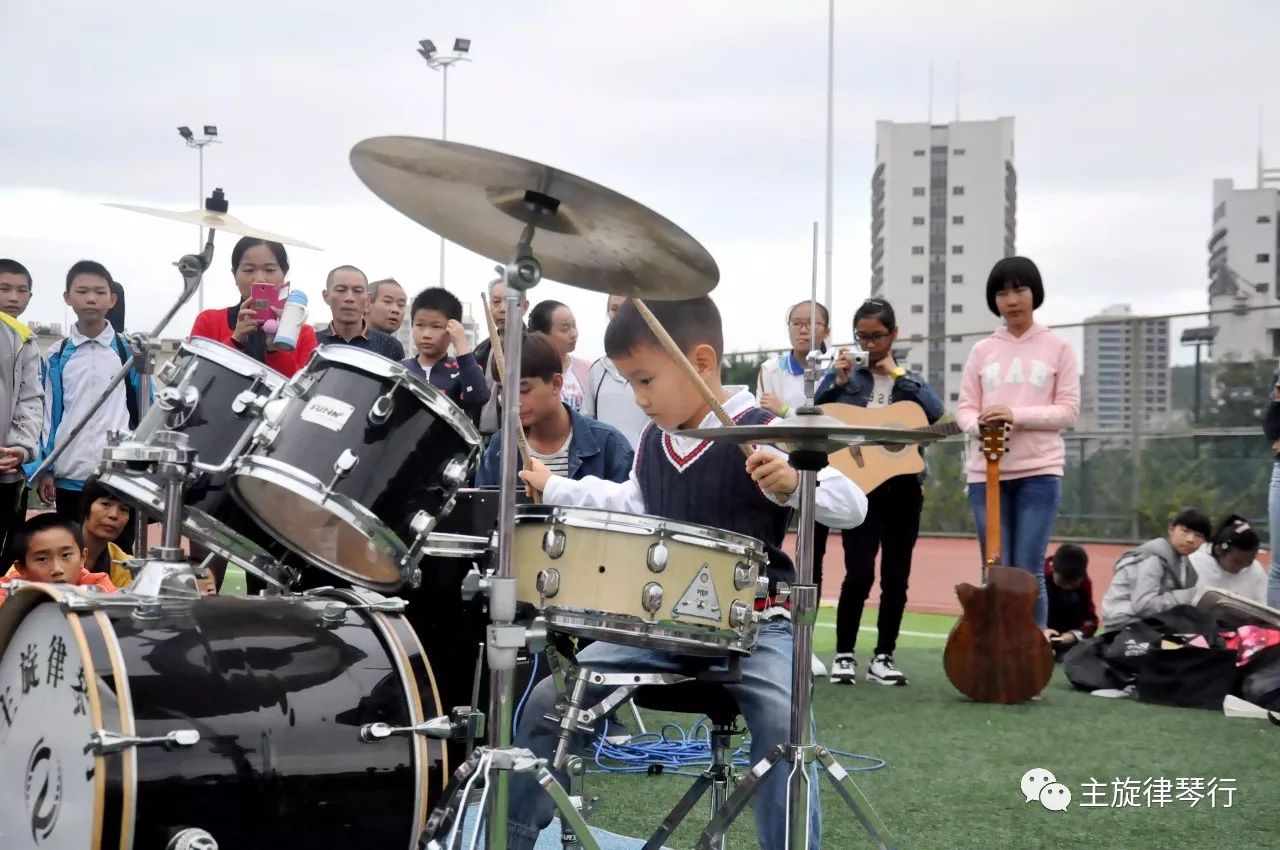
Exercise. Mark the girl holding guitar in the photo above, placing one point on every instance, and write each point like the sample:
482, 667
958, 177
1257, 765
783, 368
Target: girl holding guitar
892, 523
1023, 377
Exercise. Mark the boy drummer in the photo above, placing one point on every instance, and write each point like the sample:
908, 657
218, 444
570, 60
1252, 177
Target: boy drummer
702, 482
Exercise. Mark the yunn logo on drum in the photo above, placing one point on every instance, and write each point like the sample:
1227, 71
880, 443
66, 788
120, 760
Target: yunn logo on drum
43, 791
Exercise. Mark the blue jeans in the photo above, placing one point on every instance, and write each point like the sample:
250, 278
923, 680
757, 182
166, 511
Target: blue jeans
763, 696
1028, 507
1273, 519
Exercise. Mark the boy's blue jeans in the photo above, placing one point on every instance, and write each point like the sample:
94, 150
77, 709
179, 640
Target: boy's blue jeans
1028, 508
764, 698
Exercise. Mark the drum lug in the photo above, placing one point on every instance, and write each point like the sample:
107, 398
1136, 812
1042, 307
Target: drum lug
548, 583
383, 406
657, 556
742, 576
346, 462
104, 743
553, 543
168, 372
739, 614
473, 584
651, 597
421, 525
455, 473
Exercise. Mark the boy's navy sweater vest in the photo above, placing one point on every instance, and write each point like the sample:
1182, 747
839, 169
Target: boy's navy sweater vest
711, 487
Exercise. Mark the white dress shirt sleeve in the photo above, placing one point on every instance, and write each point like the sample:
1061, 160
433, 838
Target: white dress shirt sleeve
594, 492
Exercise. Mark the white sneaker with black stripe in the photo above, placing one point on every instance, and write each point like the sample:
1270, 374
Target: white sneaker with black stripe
884, 672
844, 669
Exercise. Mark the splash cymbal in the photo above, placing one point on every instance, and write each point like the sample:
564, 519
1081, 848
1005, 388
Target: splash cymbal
587, 236
223, 222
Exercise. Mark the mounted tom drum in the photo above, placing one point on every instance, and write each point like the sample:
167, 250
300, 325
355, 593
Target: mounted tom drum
358, 465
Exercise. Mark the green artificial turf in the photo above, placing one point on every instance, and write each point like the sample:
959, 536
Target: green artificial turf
954, 767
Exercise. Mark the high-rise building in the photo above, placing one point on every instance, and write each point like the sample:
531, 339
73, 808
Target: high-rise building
1243, 270
943, 211
1126, 371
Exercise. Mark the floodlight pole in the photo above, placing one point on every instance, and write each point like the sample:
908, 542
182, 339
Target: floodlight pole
436, 62
200, 144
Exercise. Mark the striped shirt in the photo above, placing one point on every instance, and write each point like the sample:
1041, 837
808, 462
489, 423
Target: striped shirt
558, 461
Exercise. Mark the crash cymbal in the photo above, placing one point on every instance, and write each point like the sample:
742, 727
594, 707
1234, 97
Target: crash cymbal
588, 236
813, 433
224, 222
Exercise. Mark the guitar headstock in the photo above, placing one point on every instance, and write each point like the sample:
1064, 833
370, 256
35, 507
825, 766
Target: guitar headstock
994, 440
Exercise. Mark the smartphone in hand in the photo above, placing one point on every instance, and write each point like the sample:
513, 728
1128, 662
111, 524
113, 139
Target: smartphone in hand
263, 296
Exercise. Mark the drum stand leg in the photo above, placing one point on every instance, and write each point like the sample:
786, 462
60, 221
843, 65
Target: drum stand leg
492, 763
801, 752
715, 778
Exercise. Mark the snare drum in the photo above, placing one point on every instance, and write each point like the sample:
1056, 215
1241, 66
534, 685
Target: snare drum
214, 397
639, 580
121, 725
352, 471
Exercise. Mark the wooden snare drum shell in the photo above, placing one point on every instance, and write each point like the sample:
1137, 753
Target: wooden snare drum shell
604, 566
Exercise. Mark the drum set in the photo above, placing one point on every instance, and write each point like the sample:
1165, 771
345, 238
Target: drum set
312, 716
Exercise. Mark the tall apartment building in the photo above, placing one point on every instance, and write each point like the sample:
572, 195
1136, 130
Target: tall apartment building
1243, 273
943, 211
1125, 371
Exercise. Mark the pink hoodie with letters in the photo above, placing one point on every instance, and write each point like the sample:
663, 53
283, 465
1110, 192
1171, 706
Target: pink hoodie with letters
1036, 376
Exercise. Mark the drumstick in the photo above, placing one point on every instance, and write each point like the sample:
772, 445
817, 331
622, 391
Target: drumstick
499, 362
691, 373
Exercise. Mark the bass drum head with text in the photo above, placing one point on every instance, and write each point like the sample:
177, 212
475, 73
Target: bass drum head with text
269, 695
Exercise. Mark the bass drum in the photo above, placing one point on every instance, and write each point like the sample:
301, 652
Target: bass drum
123, 723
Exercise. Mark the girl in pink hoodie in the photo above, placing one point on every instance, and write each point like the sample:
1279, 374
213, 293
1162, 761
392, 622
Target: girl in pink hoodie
1026, 376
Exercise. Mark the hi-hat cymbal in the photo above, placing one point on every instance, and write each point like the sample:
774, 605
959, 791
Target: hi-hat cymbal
224, 222
812, 433
587, 236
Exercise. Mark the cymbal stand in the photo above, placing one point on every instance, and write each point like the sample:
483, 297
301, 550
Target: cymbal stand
797, 755
505, 637
192, 268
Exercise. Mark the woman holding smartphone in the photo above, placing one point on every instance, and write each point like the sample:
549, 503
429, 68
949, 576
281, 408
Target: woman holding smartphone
261, 265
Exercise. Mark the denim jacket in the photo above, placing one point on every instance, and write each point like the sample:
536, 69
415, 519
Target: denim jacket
595, 449
910, 387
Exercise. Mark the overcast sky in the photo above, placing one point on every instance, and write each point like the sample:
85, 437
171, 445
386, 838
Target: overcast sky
712, 113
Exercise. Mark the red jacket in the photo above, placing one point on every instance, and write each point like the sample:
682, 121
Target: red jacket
102, 581
213, 324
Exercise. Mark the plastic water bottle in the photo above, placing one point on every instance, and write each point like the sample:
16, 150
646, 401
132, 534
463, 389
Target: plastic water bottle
292, 317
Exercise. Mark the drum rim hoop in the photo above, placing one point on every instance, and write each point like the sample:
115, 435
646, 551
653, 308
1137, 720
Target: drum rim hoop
271, 471
569, 617
375, 364
708, 536
240, 363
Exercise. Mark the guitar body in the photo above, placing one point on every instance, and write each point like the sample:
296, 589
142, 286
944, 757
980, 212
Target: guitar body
995, 652
871, 466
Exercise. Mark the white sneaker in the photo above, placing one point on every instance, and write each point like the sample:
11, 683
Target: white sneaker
884, 672
844, 669
819, 669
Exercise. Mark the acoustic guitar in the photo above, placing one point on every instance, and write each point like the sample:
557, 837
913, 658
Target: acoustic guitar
995, 652
871, 466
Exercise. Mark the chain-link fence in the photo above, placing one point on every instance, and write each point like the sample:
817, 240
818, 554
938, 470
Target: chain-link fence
1171, 415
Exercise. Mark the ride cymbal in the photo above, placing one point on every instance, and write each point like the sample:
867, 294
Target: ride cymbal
587, 236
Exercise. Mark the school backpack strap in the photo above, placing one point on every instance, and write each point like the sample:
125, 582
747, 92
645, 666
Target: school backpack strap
132, 389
